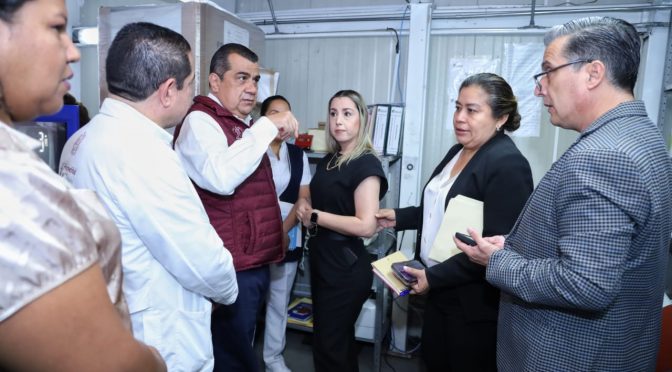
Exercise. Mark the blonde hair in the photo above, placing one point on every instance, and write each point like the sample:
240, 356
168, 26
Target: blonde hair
363, 143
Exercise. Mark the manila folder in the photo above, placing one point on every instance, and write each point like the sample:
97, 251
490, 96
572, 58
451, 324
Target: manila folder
383, 270
461, 212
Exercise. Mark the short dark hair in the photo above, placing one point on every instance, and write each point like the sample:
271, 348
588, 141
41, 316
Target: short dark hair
9, 7
143, 56
219, 64
500, 97
613, 41
267, 102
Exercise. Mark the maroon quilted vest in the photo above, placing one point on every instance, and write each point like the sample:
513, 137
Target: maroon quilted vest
249, 221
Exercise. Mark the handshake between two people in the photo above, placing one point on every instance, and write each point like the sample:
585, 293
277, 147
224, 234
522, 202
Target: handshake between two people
479, 249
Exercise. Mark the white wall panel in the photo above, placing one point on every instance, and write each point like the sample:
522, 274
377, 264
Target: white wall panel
313, 69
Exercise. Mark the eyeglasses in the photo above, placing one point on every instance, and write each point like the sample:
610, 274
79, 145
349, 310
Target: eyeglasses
537, 77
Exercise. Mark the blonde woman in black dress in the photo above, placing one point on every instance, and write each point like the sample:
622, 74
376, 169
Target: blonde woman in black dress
345, 193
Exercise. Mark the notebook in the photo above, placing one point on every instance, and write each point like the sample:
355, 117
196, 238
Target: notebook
383, 270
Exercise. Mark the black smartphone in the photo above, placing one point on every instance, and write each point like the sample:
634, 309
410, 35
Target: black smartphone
464, 238
406, 278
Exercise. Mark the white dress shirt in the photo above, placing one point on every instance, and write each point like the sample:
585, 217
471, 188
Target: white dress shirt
282, 172
435, 207
209, 160
172, 258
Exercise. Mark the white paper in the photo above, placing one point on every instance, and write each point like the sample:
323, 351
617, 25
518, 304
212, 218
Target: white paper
166, 16
268, 84
461, 68
236, 34
462, 212
521, 62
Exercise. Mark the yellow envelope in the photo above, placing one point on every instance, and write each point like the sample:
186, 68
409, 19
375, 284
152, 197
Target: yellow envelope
462, 212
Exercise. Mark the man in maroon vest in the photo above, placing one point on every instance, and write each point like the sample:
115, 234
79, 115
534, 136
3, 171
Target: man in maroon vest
225, 157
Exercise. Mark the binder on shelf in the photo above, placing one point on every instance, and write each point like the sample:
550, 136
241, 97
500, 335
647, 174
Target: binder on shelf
383, 270
300, 312
380, 116
394, 131
386, 128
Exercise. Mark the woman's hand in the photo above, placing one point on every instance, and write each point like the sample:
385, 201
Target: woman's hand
303, 211
385, 218
421, 286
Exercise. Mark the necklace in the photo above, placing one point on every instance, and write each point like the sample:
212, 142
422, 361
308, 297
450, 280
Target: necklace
329, 166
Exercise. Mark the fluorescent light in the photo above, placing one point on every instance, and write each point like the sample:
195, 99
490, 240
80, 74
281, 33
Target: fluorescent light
85, 35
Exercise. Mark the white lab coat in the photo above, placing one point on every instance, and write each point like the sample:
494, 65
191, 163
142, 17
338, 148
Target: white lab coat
173, 260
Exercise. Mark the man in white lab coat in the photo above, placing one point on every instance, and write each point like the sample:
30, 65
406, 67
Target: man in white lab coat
173, 261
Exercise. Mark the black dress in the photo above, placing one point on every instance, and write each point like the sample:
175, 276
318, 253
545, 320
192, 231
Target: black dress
341, 273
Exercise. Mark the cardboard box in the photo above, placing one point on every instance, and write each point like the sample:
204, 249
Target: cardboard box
206, 28
365, 324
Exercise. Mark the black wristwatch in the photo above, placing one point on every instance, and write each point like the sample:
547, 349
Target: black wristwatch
313, 218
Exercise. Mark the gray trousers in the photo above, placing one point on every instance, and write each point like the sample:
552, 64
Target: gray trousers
279, 292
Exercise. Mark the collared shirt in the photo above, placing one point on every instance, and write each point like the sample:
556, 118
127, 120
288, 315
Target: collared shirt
173, 260
282, 172
210, 161
435, 206
50, 231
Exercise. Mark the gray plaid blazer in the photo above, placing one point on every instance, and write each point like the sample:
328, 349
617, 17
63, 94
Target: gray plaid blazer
582, 272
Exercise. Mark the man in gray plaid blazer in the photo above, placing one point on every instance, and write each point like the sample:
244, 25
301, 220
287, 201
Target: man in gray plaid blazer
582, 270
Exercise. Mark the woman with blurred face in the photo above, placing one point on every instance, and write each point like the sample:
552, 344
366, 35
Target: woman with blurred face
345, 192
61, 305
291, 176
460, 319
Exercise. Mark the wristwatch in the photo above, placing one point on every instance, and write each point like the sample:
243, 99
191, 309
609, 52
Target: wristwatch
313, 218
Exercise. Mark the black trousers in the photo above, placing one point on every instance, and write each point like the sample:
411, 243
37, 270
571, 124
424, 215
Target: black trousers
233, 326
450, 342
341, 280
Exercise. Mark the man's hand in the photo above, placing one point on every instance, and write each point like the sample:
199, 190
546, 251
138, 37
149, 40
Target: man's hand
484, 248
286, 123
385, 218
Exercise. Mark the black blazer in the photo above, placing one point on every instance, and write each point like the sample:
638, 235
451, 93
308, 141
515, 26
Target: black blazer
500, 176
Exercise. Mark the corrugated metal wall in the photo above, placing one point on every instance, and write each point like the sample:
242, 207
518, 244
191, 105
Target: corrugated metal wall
312, 69
439, 138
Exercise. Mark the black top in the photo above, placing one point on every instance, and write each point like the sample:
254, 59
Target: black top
333, 190
500, 176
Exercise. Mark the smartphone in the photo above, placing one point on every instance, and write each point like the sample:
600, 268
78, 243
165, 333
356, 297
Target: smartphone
406, 278
464, 238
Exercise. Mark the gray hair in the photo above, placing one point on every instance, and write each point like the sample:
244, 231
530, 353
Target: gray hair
614, 42
219, 64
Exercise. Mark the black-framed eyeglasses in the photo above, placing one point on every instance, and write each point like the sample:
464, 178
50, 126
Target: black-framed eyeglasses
537, 77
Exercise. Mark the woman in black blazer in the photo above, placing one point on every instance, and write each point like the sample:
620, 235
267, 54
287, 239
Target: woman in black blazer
460, 319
